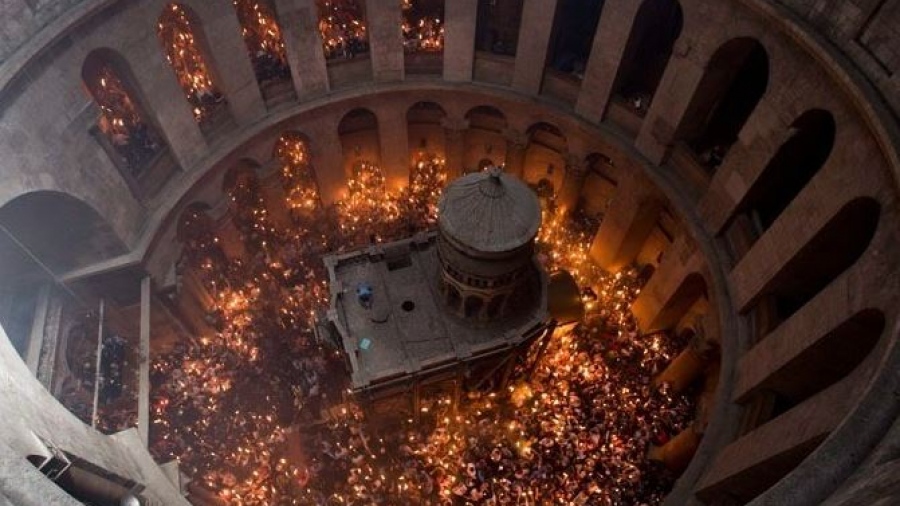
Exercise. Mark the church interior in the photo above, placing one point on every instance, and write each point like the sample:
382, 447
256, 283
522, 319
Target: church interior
449, 252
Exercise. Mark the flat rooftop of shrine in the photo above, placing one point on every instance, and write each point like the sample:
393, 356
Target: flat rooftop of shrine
407, 330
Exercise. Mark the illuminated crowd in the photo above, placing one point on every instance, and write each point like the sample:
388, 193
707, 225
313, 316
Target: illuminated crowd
258, 411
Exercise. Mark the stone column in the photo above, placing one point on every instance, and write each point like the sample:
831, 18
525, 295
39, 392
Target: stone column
144, 364
676, 285
162, 96
299, 20
460, 17
394, 139
613, 33
327, 156
689, 365
673, 96
576, 172
516, 143
531, 52
38, 329
677, 453
231, 67
455, 145
385, 39
628, 222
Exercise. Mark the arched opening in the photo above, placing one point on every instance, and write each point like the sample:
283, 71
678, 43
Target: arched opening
426, 131
423, 36
473, 306
599, 187
795, 163
484, 138
44, 235
692, 289
485, 164
544, 155
497, 27
454, 299
572, 37
298, 179
342, 26
734, 82
182, 39
265, 47
124, 129
836, 247
60, 231
360, 141
496, 304
657, 26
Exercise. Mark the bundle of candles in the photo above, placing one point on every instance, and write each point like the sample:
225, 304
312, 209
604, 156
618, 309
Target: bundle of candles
258, 412
176, 33
263, 39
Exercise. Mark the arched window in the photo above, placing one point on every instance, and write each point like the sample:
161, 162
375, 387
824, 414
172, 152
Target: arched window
180, 34
734, 82
473, 306
342, 26
358, 131
497, 27
297, 176
425, 130
657, 26
124, 123
265, 45
574, 28
43, 235
423, 35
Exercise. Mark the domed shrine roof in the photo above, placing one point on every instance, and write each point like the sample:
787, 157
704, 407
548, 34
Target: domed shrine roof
489, 211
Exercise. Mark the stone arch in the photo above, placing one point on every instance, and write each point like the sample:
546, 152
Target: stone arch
734, 81
545, 154
484, 138
834, 249
424, 124
346, 35
600, 185
43, 235
360, 138
183, 40
495, 305
790, 169
657, 25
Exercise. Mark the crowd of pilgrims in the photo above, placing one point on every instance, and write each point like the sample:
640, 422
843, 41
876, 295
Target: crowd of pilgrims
257, 411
